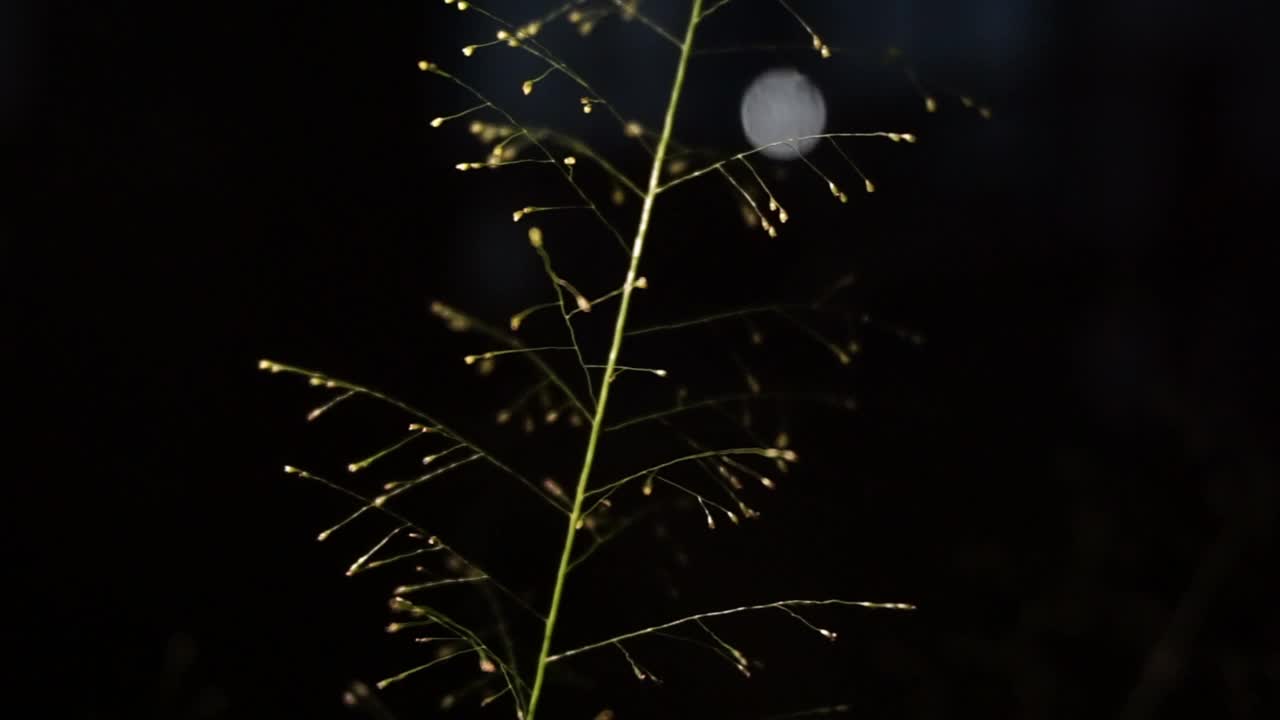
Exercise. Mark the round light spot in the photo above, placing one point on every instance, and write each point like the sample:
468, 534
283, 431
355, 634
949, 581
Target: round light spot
779, 105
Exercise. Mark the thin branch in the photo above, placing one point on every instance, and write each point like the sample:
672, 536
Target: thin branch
557, 283
329, 381
406, 522
714, 8
564, 171
461, 321
895, 136
732, 611
647, 22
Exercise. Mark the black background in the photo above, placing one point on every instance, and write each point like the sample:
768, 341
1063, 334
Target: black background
1073, 475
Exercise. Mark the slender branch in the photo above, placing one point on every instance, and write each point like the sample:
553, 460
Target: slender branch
766, 452
895, 136
782, 604
739, 312
460, 320
597, 424
579, 147
322, 379
556, 284
714, 8
647, 22
564, 172
406, 522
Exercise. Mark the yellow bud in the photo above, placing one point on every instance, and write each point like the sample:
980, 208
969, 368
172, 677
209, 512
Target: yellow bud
825, 51
571, 160
437, 122
469, 50
930, 105
535, 236
527, 87
870, 187
423, 65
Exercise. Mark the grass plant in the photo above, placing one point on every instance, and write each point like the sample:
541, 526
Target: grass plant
571, 382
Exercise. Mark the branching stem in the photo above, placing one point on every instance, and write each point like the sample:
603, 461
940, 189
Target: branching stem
619, 330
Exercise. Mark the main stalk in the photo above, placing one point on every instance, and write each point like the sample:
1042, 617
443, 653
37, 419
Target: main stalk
619, 328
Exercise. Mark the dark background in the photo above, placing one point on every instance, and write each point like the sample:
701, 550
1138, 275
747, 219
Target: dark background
1073, 474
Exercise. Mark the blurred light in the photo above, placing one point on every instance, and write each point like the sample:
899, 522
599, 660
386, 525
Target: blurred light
780, 104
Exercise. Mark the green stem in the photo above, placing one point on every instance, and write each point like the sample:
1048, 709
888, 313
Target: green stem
619, 330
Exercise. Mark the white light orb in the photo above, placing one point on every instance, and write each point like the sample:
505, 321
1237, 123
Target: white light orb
781, 104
